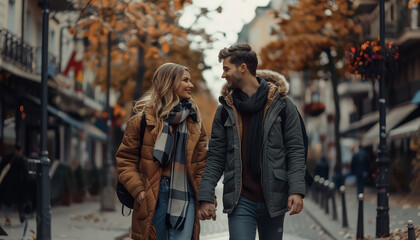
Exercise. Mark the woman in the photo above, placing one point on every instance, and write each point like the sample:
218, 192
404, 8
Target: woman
164, 181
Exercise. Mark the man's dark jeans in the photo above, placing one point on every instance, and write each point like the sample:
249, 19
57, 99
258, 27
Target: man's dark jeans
249, 215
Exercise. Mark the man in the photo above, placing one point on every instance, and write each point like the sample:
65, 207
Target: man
263, 169
13, 189
360, 166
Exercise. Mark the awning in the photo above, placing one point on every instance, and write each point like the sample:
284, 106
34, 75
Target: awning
95, 132
90, 129
366, 121
406, 130
9, 131
393, 118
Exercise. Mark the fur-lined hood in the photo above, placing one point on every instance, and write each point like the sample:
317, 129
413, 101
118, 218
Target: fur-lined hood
278, 84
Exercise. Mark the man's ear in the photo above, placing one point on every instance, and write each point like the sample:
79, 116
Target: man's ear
243, 67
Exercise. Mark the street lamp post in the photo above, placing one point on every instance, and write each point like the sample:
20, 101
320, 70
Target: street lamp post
43, 193
382, 217
107, 198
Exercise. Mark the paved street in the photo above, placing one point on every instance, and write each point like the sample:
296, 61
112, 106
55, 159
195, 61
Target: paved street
297, 227
86, 221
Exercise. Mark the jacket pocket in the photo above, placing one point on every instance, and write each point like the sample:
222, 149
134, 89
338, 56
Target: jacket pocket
280, 181
279, 190
228, 176
280, 174
228, 189
140, 209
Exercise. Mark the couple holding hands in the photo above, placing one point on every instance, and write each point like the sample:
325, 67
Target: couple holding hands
173, 180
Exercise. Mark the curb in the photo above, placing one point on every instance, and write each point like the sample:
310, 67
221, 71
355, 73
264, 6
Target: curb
312, 215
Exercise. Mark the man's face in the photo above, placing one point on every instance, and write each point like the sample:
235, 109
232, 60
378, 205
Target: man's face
231, 73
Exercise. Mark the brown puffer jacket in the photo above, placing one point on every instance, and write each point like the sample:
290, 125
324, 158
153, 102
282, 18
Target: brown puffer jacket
145, 174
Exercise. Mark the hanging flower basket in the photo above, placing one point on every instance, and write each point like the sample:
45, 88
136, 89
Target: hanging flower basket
413, 3
365, 60
314, 108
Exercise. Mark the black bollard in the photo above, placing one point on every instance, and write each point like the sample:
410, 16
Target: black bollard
334, 205
327, 196
343, 202
316, 188
411, 232
360, 234
321, 191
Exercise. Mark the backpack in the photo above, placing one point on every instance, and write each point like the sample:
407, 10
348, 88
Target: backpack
308, 176
123, 195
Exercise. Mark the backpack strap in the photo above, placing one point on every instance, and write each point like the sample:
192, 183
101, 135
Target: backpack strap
142, 130
224, 115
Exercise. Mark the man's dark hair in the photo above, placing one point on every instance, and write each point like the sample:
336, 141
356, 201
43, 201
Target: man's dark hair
241, 53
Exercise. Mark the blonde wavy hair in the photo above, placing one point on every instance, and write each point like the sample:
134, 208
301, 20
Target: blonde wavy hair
161, 96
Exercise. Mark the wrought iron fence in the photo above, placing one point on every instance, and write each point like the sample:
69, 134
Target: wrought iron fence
13, 49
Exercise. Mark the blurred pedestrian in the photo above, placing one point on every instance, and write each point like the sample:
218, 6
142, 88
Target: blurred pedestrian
322, 168
263, 164
13, 183
360, 166
164, 180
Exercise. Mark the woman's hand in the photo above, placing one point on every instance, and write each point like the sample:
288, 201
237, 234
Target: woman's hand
141, 196
207, 211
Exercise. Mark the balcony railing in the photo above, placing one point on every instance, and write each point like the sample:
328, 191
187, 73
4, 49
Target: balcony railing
13, 49
23, 55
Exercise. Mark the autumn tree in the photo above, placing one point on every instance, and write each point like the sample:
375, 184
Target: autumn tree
144, 35
315, 27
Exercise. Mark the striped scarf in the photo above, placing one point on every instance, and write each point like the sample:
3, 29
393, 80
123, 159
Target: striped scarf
170, 148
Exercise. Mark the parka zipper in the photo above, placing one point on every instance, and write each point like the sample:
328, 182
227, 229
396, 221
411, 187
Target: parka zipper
240, 151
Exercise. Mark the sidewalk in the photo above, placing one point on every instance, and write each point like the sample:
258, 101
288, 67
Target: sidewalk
74, 222
401, 210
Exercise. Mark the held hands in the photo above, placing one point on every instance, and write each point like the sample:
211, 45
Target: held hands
207, 211
295, 201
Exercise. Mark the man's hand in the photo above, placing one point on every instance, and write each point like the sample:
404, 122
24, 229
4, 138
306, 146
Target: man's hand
141, 196
295, 201
207, 211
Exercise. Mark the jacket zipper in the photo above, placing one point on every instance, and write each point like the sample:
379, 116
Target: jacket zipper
240, 153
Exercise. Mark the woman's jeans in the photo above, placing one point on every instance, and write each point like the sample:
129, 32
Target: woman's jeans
247, 215
163, 231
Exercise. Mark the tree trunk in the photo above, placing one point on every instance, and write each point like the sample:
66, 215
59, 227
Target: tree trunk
334, 80
138, 92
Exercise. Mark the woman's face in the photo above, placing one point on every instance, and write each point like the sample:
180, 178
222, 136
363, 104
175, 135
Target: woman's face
185, 86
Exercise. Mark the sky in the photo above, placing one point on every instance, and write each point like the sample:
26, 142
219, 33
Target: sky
223, 27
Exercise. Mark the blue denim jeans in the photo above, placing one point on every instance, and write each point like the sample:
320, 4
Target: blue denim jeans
163, 231
249, 215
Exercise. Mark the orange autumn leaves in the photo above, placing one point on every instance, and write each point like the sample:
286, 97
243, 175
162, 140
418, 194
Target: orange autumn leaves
413, 3
151, 25
364, 59
313, 26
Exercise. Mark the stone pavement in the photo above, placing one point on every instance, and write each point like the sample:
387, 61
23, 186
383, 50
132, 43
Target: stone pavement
402, 209
74, 222
86, 221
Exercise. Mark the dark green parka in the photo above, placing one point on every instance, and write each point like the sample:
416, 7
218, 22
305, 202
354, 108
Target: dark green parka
283, 164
